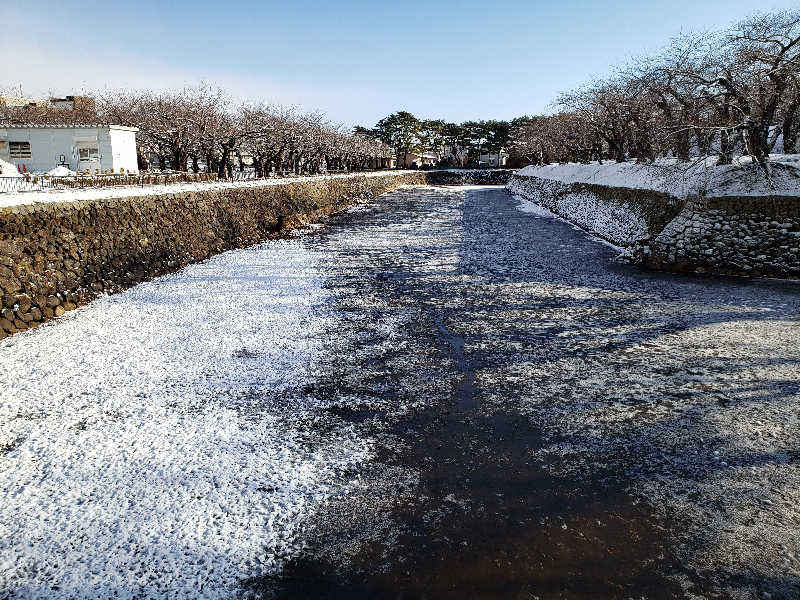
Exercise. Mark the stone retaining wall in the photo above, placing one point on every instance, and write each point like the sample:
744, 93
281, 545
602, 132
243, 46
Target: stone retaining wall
754, 236
56, 256
469, 177
730, 235
622, 216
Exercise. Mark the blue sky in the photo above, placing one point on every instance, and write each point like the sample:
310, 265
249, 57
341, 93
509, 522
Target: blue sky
356, 61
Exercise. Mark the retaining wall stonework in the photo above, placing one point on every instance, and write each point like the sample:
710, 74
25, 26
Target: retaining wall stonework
56, 256
728, 235
755, 236
469, 177
622, 216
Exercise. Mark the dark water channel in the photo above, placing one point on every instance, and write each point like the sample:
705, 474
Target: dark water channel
461, 503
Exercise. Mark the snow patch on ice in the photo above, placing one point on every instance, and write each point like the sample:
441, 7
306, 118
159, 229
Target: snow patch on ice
531, 208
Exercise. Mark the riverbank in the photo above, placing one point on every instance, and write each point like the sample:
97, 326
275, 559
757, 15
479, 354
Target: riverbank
57, 255
700, 218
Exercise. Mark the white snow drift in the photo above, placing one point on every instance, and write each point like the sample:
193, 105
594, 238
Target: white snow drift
8, 170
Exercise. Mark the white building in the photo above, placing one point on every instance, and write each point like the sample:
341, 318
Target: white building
494, 159
40, 148
416, 160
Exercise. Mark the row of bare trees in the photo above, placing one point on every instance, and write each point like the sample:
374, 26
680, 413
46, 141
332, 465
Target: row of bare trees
200, 128
726, 93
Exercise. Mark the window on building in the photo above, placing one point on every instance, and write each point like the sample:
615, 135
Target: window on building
88, 153
19, 149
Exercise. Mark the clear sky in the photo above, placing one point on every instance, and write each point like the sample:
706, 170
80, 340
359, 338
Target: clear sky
355, 60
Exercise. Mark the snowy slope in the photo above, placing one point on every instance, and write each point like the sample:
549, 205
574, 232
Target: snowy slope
681, 179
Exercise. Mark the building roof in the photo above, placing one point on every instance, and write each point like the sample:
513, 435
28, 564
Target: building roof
72, 126
20, 101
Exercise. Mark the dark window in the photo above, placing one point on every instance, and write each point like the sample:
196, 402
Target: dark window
19, 149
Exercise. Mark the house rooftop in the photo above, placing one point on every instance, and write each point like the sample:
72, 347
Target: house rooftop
71, 126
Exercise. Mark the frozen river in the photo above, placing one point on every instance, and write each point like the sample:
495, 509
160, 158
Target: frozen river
433, 395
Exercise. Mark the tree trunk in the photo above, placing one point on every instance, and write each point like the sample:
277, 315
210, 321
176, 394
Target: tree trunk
682, 145
789, 129
279, 163
178, 159
702, 141
725, 148
224, 160
756, 147
619, 153
141, 160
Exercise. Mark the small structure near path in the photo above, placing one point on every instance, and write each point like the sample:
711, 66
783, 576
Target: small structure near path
93, 148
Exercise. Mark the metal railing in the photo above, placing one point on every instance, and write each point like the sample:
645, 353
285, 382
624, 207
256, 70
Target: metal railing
36, 183
19, 184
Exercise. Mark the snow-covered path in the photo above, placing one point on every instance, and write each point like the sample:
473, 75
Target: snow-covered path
155, 444
36, 196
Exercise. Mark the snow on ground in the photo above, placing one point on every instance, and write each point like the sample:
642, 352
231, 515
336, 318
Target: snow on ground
158, 443
8, 170
71, 195
687, 388
701, 420
61, 171
679, 179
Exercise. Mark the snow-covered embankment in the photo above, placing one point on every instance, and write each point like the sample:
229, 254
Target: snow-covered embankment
706, 219
56, 255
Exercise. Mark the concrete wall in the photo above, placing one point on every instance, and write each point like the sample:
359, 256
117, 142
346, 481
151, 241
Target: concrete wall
56, 256
730, 235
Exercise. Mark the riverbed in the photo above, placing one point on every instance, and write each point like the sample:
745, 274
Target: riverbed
431, 395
